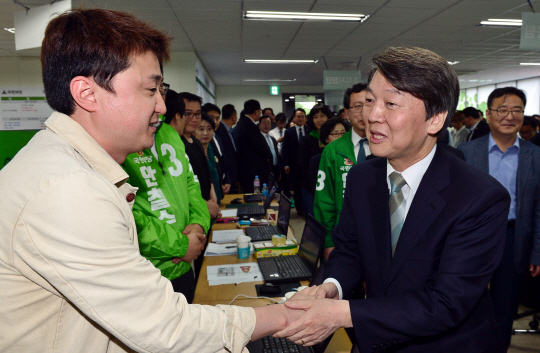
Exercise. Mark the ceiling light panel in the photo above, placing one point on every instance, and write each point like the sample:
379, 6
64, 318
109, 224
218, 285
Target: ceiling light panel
263, 61
501, 23
302, 16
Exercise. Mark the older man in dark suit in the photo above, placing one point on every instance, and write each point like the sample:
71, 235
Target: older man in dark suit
423, 229
516, 164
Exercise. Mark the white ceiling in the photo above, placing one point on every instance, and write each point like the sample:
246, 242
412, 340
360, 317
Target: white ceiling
215, 30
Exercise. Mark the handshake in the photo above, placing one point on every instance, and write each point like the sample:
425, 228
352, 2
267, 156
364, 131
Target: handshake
313, 314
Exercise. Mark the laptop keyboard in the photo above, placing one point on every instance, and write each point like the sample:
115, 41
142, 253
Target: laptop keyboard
291, 266
252, 210
278, 345
266, 233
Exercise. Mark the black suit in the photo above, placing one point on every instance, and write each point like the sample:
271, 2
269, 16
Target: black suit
289, 153
432, 295
229, 152
482, 129
255, 155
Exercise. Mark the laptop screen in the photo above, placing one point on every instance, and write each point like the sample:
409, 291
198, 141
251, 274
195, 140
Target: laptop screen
312, 242
284, 213
270, 196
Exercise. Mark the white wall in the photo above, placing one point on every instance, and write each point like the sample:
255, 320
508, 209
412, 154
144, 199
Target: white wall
23, 71
179, 72
237, 95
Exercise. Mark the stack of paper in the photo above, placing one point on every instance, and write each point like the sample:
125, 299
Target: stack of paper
223, 249
226, 236
229, 213
233, 273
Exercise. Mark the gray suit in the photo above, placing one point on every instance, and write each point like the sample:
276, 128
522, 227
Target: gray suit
527, 243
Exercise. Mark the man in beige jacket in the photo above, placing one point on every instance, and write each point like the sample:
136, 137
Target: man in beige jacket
71, 275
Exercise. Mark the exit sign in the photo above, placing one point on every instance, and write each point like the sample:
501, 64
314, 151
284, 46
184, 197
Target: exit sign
274, 90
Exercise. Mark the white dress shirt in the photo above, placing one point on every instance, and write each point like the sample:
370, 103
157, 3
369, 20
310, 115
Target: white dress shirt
275, 133
271, 146
355, 138
298, 128
413, 176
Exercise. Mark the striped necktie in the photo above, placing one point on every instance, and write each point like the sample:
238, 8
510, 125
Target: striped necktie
397, 207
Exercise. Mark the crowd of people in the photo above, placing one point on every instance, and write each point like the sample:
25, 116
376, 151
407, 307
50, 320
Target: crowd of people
425, 244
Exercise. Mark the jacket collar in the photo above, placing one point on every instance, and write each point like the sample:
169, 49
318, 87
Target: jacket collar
96, 157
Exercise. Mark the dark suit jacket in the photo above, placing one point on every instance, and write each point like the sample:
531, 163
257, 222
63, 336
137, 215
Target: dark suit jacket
228, 151
221, 164
254, 153
527, 240
432, 295
482, 129
290, 150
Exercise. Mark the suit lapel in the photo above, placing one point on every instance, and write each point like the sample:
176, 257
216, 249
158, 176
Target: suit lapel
524, 165
380, 220
426, 206
482, 154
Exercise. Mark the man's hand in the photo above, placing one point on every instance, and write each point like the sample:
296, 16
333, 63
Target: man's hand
322, 318
327, 252
226, 188
535, 270
287, 170
326, 290
197, 239
213, 208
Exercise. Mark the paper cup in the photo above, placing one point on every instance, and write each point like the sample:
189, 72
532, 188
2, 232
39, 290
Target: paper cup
242, 245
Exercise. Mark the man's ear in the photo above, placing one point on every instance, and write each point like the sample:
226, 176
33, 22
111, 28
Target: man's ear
436, 123
83, 92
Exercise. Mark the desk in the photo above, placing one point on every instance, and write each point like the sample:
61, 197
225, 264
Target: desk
223, 294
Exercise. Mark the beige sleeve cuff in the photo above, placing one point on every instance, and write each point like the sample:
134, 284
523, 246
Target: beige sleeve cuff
239, 326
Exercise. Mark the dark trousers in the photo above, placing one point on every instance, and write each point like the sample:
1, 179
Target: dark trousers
504, 288
185, 284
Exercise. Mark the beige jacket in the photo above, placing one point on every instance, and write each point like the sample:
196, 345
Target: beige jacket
71, 276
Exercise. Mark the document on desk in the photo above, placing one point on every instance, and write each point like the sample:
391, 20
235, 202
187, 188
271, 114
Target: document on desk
226, 236
229, 213
233, 273
214, 249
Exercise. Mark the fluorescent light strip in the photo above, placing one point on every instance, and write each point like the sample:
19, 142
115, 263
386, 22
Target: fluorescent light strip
453, 62
530, 64
501, 22
303, 16
265, 80
259, 61
10, 30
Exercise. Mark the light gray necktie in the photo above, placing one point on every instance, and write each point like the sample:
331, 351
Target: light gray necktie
271, 145
397, 207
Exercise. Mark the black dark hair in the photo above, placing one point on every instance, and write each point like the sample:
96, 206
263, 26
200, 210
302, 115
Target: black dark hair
319, 108
227, 111
265, 117
359, 87
209, 107
190, 97
93, 43
174, 105
280, 117
297, 110
470, 111
504, 91
209, 120
529, 120
265, 109
328, 126
251, 106
423, 74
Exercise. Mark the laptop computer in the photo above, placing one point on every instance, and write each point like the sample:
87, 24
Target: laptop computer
258, 197
258, 210
265, 233
301, 266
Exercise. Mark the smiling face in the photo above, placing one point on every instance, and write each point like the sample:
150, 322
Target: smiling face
319, 119
193, 116
398, 129
204, 132
337, 132
265, 125
299, 118
126, 120
509, 125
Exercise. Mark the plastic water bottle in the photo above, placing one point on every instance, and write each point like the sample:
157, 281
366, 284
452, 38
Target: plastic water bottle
256, 185
264, 191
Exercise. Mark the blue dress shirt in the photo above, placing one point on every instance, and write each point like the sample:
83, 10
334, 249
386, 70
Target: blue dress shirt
503, 167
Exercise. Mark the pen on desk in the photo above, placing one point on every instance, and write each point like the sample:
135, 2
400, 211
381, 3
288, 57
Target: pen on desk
244, 281
230, 247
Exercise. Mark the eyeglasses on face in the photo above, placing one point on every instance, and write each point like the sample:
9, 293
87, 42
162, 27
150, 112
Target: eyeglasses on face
337, 134
164, 88
503, 112
192, 115
356, 107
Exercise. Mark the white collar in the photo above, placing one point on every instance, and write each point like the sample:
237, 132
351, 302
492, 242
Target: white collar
355, 138
414, 174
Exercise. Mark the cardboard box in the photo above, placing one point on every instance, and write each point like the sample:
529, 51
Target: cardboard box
266, 249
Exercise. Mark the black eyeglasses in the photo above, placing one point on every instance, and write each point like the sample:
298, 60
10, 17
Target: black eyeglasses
356, 107
337, 134
503, 112
191, 115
